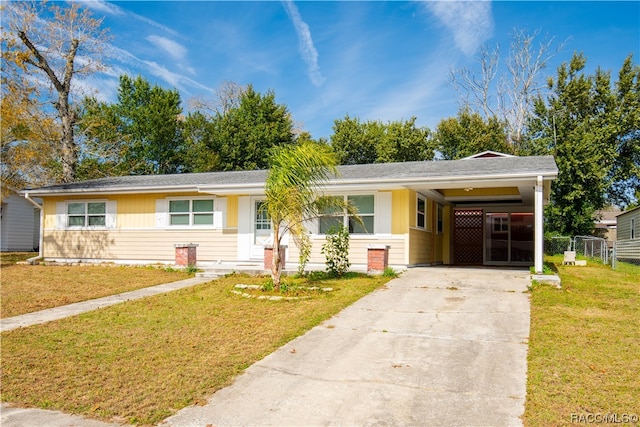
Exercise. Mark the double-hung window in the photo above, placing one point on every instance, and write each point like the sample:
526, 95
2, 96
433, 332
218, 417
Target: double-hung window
197, 212
421, 214
86, 214
364, 205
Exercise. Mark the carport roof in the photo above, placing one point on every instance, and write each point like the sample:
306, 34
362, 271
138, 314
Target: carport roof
379, 174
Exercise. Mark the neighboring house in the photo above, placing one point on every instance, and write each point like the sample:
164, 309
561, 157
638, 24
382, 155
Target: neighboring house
19, 225
606, 224
629, 224
474, 211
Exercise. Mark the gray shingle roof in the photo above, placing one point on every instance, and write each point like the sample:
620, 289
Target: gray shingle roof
376, 173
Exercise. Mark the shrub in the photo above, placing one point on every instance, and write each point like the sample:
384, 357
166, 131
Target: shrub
336, 251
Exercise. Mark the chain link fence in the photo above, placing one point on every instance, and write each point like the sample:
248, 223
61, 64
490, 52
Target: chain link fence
556, 245
585, 246
592, 247
625, 251
595, 248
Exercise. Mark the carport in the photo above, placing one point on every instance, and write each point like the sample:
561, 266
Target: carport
492, 216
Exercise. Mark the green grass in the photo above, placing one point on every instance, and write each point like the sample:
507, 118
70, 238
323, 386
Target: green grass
10, 258
29, 288
143, 360
584, 345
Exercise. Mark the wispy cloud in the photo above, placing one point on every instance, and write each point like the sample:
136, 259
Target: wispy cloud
470, 22
307, 49
177, 80
102, 6
175, 50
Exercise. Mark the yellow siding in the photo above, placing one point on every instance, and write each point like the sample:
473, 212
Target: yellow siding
446, 237
142, 245
400, 211
134, 211
357, 250
137, 211
420, 247
232, 211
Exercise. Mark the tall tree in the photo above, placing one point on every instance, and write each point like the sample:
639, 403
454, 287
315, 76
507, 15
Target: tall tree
27, 138
357, 142
403, 141
508, 95
591, 127
226, 97
141, 133
44, 42
242, 135
468, 134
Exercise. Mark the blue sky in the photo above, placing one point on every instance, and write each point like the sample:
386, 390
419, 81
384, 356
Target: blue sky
369, 59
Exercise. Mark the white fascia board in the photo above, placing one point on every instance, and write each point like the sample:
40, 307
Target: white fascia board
103, 191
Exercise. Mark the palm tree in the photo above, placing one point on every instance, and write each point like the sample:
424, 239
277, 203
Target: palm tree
294, 193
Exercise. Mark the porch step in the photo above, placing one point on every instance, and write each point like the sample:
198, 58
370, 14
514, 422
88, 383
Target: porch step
222, 269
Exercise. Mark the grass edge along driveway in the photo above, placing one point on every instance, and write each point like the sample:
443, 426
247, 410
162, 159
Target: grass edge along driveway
583, 361
29, 288
143, 360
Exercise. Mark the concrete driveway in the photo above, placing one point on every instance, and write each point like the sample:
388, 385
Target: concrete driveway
437, 347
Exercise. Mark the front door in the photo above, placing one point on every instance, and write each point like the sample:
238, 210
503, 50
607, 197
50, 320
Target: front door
261, 229
509, 238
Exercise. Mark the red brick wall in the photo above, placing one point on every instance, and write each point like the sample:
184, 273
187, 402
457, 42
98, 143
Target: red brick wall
377, 259
268, 257
186, 255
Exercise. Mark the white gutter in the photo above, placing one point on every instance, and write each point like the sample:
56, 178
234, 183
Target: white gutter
41, 237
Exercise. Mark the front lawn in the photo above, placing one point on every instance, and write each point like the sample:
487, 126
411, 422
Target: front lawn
28, 288
584, 346
143, 360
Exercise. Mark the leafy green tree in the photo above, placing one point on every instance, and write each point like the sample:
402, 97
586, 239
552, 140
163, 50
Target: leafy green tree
293, 192
199, 136
141, 133
469, 134
404, 142
357, 142
591, 127
625, 174
243, 136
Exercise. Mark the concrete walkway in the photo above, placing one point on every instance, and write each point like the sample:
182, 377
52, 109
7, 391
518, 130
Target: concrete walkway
56, 313
435, 347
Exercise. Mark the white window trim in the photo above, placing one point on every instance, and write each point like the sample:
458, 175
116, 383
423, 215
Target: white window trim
62, 215
345, 221
217, 215
424, 213
439, 219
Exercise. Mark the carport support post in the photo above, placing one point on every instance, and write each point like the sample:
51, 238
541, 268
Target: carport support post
539, 224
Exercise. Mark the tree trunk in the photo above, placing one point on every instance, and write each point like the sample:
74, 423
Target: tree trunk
275, 258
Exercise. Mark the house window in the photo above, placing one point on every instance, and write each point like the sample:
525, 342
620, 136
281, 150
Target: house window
364, 204
421, 219
440, 220
197, 212
87, 214
263, 221
633, 228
